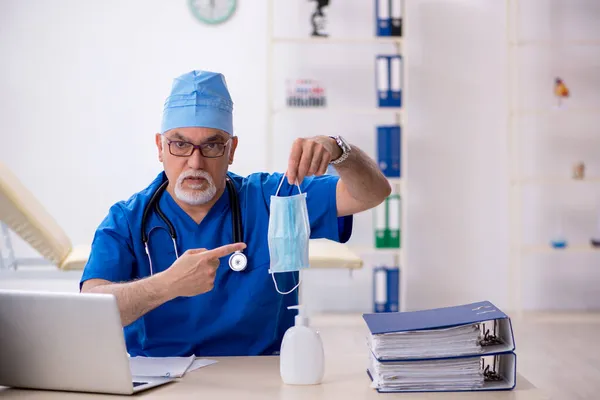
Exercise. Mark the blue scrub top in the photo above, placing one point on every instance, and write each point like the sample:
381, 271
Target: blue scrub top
243, 314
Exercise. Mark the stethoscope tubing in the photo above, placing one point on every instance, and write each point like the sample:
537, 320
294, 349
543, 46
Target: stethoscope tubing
237, 261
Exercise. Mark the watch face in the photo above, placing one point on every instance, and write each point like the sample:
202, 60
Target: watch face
212, 11
343, 144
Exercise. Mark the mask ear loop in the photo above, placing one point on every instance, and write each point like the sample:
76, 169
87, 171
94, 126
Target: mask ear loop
281, 182
284, 293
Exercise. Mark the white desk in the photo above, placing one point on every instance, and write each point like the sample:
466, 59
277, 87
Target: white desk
241, 378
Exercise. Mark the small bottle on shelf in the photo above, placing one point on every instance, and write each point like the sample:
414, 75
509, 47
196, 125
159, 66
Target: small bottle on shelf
559, 241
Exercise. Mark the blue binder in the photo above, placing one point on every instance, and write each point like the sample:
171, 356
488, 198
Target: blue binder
386, 289
388, 80
383, 146
499, 374
395, 151
496, 343
439, 318
393, 289
383, 21
389, 150
395, 65
396, 17
382, 81
379, 289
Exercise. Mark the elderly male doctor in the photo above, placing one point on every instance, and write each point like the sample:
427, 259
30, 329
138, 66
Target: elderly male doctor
182, 298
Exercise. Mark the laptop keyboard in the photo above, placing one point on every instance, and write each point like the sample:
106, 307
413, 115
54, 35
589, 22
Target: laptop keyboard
135, 384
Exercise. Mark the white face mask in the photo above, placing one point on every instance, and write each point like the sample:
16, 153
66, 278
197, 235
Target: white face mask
195, 197
288, 235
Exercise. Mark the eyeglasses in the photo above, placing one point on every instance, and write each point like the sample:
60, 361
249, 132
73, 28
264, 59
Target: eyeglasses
180, 148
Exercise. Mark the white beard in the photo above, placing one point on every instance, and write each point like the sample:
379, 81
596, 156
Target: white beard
194, 196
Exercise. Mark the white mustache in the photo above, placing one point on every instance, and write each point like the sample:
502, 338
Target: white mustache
194, 174
199, 197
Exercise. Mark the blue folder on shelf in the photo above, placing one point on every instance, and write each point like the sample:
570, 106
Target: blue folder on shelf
476, 337
386, 289
388, 78
383, 19
389, 150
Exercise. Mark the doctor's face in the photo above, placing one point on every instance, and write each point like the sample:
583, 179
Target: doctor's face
196, 162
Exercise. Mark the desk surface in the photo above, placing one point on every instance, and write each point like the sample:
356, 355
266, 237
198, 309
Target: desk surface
238, 378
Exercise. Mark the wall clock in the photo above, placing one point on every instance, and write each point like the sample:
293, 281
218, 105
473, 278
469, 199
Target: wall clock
212, 11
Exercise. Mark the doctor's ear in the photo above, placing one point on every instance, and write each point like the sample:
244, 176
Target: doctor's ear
234, 143
159, 146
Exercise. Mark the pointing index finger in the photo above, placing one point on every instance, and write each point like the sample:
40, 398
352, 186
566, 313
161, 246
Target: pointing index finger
224, 250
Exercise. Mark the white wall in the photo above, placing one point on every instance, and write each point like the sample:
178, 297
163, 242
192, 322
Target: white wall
82, 86
458, 167
561, 39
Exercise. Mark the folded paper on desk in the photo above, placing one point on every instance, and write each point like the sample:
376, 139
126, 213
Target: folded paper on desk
199, 363
466, 347
174, 367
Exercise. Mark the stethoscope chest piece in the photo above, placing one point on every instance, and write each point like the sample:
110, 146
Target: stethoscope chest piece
238, 261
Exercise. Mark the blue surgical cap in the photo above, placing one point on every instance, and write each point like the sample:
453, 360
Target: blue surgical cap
198, 99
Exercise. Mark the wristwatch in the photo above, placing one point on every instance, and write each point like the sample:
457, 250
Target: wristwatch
341, 142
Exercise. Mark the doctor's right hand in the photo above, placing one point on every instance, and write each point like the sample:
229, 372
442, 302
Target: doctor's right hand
194, 271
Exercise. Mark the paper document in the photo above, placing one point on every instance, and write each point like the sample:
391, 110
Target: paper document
448, 374
171, 367
447, 342
199, 363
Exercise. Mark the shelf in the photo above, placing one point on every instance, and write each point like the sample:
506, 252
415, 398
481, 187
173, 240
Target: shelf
555, 181
558, 43
565, 109
339, 40
370, 250
577, 248
339, 110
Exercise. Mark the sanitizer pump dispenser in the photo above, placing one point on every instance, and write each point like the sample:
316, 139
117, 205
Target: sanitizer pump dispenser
301, 358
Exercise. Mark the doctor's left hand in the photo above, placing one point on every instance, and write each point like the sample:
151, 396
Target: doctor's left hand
311, 156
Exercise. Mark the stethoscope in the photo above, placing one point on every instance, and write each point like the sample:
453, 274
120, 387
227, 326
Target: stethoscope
237, 261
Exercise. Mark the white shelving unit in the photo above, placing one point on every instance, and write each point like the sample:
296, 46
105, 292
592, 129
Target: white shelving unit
398, 184
518, 249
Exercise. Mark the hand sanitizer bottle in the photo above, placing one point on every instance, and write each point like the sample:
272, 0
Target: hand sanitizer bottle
301, 358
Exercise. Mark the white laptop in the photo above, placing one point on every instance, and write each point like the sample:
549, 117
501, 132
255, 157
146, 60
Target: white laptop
65, 341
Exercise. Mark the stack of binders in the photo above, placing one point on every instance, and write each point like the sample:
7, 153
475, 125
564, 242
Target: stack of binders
462, 348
